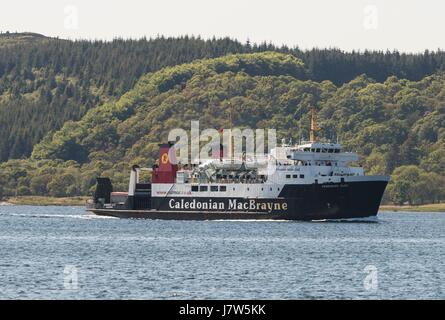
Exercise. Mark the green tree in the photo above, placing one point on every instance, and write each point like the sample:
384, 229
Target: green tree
435, 162
23, 191
402, 186
38, 184
62, 185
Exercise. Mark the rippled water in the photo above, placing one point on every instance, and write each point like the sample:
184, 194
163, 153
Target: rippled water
63, 252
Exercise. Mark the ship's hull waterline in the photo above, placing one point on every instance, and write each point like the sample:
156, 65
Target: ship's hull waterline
295, 202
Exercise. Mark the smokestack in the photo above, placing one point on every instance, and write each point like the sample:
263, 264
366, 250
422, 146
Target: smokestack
134, 179
166, 172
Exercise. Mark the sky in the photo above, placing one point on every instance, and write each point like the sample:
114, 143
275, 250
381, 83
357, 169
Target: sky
405, 25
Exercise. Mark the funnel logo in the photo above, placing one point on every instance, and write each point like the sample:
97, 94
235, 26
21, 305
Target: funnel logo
164, 158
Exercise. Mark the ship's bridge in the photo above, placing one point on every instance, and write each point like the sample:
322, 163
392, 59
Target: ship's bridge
323, 147
315, 153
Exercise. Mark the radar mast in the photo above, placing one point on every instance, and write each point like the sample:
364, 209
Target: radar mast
314, 125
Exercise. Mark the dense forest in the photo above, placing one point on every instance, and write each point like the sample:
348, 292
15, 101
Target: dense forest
46, 81
83, 109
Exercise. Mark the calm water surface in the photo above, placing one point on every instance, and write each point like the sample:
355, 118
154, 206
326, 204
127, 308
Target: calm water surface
65, 253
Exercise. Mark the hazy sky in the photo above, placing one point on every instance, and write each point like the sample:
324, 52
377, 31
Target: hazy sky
406, 25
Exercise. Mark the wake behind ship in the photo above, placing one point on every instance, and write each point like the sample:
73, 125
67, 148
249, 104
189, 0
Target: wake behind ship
309, 181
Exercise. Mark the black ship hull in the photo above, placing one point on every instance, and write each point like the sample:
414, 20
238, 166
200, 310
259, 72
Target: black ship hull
349, 200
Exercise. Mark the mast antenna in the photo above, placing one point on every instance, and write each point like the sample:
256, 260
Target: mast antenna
314, 125
231, 128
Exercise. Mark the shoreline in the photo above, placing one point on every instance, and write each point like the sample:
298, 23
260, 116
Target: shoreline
44, 201
81, 201
434, 207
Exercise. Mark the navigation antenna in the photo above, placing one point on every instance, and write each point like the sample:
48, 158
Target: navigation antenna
314, 126
230, 133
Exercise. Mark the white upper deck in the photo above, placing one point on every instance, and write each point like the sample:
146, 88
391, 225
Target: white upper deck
314, 153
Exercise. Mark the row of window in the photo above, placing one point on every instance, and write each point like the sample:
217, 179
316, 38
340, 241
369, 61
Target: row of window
324, 150
327, 163
206, 188
288, 176
221, 188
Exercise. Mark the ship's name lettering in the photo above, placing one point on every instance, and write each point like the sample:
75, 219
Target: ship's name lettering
233, 204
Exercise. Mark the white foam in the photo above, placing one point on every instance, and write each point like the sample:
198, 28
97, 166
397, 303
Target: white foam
70, 216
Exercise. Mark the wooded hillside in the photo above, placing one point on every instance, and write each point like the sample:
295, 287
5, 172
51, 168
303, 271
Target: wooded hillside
397, 126
45, 82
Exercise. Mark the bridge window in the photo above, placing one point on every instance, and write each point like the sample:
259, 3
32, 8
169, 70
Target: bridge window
295, 176
194, 188
203, 188
222, 188
287, 176
301, 176
213, 188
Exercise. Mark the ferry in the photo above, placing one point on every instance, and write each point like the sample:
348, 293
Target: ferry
312, 180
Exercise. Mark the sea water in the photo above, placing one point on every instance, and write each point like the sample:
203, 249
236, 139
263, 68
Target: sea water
65, 253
